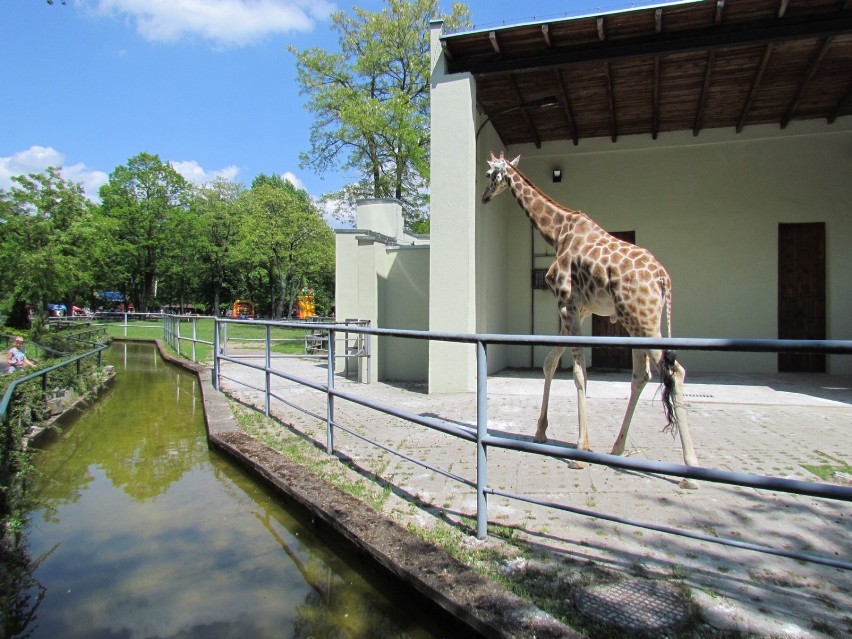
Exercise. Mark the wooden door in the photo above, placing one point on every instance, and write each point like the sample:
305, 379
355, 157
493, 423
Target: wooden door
615, 358
801, 292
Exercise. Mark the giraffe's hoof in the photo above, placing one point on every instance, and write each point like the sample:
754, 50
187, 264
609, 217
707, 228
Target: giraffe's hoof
687, 484
540, 438
573, 464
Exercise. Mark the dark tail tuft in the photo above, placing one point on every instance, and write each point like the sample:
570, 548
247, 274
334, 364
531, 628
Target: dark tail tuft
667, 373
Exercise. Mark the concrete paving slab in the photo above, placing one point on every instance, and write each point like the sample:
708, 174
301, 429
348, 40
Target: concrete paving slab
776, 425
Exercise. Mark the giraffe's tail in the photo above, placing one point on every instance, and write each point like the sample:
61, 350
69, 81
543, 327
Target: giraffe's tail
667, 375
667, 363
666, 286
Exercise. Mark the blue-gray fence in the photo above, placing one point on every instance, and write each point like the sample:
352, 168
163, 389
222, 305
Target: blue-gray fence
483, 439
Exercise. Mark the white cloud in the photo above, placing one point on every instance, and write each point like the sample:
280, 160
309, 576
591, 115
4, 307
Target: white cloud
290, 177
337, 213
37, 158
193, 172
223, 22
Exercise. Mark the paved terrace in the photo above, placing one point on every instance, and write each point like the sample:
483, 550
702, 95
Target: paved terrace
775, 425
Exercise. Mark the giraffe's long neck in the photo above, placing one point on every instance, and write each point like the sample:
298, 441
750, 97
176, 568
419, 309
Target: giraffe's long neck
546, 215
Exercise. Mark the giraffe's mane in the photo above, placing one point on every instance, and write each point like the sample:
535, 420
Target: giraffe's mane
544, 195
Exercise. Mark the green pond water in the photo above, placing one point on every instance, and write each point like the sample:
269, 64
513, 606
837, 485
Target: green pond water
143, 531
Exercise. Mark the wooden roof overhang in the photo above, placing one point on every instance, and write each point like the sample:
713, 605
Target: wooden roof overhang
673, 67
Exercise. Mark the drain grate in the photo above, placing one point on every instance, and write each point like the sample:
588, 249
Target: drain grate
698, 395
640, 606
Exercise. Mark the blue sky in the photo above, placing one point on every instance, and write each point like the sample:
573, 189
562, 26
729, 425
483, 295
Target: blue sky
207, 85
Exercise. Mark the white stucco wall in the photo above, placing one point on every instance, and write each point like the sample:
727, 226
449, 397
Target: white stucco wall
404, 303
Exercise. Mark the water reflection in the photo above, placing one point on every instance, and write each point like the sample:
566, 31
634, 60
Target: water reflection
155, 536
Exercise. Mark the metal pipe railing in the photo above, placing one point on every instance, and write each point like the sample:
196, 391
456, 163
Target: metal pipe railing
44, 372
483, 440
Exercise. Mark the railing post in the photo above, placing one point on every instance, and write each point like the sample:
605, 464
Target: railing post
224, 338
177, 335
481, 432
216, 353
268, 375
125, 324
194, 319
329, 419
368, 339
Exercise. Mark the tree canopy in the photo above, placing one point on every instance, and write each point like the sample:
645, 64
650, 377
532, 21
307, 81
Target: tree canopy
47, 226
158, 241
371, 103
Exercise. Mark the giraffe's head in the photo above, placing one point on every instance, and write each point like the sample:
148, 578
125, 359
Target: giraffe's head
496, 176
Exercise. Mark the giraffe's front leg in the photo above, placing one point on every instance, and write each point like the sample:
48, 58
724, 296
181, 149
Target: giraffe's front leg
550, 363
580, 384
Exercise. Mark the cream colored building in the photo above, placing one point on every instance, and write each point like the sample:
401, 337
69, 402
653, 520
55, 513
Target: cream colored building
382, 275
713, 204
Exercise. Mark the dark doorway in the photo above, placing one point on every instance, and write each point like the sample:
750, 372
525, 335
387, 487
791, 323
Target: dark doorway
801, 292
615, 358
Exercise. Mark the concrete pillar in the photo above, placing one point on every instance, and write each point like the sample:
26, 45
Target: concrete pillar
452, 288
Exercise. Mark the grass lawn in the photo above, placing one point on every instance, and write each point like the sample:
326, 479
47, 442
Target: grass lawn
239, 336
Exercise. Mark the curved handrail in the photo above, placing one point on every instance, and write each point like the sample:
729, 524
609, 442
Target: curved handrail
7, 396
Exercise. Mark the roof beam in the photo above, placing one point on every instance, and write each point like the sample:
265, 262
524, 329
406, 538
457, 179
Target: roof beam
655, 100
492, 35
655, 106
812, 69
524, 112
566, 106
755, 85
723, 36
610, 93
708, 72
545, 34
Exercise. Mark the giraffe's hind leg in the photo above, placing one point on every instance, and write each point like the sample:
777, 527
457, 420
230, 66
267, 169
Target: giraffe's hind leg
641, 375
673, 376
689, 456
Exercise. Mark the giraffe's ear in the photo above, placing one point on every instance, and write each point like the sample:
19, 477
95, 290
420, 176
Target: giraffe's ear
515, 161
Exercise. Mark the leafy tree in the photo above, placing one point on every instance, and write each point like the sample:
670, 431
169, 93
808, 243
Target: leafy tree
219, 210
284, 234
140, 201
371, 103
47, 231
179, 274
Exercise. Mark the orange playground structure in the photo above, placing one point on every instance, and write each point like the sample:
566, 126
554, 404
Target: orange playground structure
243, 309
305, 303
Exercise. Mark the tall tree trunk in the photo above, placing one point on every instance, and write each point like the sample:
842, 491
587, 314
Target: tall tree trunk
216, 290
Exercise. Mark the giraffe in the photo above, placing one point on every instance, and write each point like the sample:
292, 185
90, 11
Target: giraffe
596, 273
